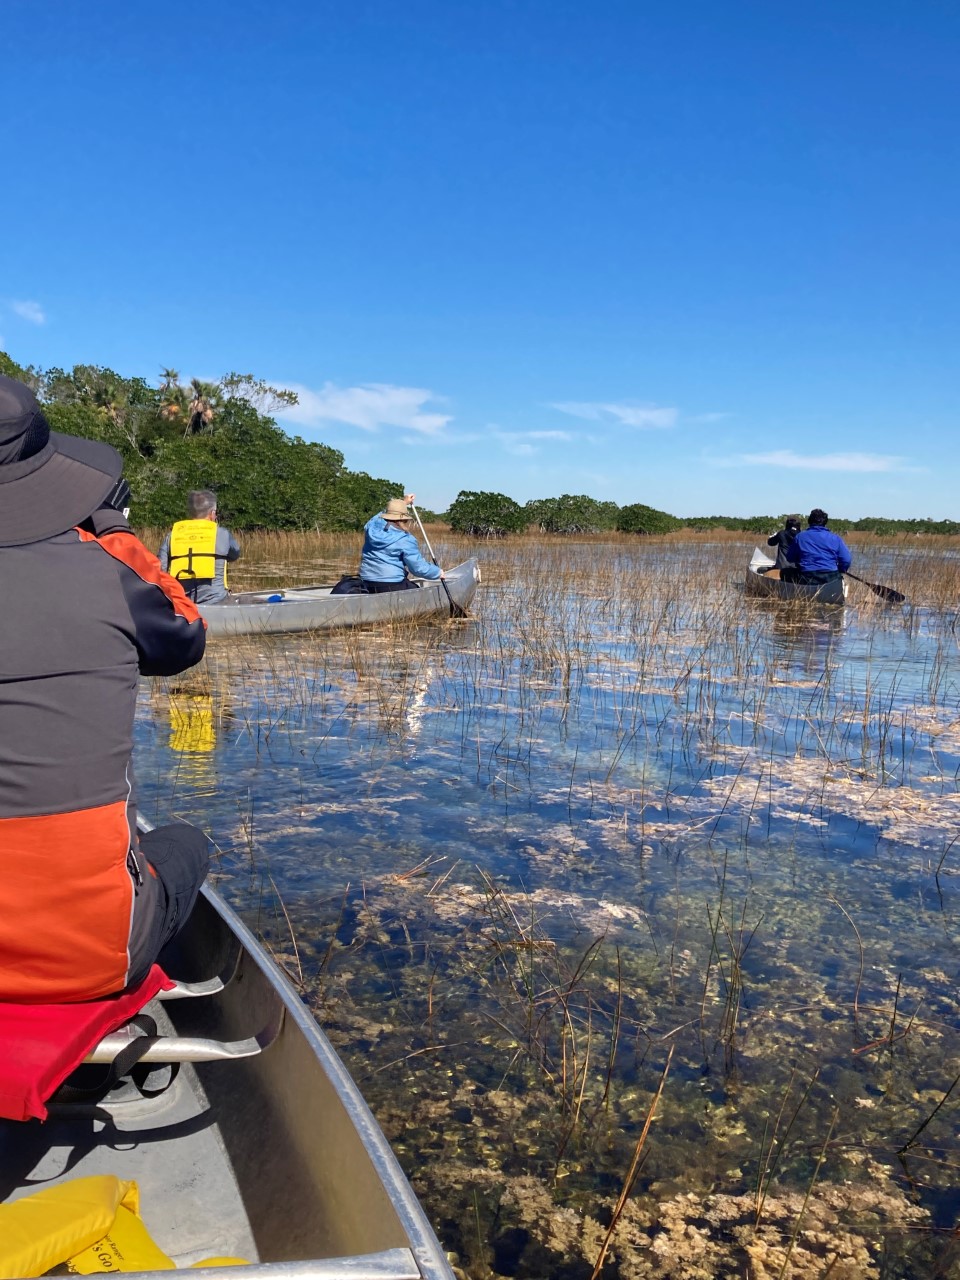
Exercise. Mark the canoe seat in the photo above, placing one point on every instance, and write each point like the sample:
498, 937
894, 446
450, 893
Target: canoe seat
44, 1043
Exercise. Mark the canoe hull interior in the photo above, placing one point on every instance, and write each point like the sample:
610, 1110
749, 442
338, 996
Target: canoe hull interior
315, 609
274, 1158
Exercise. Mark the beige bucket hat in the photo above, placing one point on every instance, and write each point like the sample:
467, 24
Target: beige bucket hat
396, 509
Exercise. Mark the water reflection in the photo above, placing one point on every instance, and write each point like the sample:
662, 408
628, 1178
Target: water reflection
808, 638
192, 728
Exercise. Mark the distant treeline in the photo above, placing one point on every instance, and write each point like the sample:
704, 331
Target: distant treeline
177, 436
494, 514
868, 524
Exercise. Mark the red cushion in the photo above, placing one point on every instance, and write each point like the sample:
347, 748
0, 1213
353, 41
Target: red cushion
40, 1044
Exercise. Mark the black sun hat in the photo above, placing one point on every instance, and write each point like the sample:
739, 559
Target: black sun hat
48, 482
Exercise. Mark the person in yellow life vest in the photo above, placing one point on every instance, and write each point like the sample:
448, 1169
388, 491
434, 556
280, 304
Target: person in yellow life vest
196, 551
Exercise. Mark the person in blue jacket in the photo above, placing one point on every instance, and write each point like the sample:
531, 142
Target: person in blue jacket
817, 553
390, 551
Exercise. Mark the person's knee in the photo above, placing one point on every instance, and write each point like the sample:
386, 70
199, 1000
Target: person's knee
177, 848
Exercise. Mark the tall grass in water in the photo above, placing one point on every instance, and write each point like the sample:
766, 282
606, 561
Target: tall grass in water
579, 833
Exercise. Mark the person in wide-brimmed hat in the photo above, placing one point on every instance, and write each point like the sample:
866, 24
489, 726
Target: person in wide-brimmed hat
84, 906
390, 551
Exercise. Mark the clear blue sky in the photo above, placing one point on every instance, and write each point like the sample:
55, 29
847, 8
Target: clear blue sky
700, 255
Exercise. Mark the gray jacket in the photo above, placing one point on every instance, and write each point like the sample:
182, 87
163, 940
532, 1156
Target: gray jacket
86, 612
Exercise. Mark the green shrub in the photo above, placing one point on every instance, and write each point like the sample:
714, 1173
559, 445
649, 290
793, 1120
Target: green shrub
639, 518
486, 515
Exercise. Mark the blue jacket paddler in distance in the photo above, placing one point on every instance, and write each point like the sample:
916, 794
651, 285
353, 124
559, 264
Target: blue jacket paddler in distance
819, 550
389, 552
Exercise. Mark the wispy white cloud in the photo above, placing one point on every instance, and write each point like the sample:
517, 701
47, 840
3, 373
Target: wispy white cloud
369, 407
629, 415
525, 444
863, 462
449, 439
707, 417
29, 311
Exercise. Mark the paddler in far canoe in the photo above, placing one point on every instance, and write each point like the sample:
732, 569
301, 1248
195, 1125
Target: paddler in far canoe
197, 550
817, 555
783, 540
390, 551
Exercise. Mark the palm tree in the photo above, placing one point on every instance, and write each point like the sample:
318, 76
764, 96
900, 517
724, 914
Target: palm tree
173, 398
203, 407
110, 396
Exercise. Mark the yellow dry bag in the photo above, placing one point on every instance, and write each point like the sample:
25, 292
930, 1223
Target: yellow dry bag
193, 551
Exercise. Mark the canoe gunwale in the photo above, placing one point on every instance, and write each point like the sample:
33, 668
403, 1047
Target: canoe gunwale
387, 1264
424, 1247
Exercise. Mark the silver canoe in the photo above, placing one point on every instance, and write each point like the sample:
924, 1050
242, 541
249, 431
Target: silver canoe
262, 1147
315, 609
771, 584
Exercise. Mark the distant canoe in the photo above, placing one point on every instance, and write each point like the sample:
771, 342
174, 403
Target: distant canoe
315, 609
771, 584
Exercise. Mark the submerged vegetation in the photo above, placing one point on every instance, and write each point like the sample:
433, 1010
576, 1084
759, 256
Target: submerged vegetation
631, 903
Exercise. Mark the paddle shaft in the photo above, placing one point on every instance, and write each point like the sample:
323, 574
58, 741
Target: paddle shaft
456, 610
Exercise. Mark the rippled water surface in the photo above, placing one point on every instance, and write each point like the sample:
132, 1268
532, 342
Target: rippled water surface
627, 843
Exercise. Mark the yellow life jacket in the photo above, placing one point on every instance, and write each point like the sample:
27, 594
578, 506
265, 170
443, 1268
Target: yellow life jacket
193, 552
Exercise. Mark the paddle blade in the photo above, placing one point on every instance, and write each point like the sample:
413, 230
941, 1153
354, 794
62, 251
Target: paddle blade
878, 589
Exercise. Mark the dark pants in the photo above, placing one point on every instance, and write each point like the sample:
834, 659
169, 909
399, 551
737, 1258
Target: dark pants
180, 855
377, 588
808, 579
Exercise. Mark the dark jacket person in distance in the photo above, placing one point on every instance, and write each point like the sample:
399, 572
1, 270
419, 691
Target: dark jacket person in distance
817, 553
196, 550
390, 551
783, 539
85, 906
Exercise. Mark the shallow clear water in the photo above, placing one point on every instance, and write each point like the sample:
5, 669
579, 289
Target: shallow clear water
515, 862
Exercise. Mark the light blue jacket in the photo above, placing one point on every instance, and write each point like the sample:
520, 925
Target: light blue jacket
389, 551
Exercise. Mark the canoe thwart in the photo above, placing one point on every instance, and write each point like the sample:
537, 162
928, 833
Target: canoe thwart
190, 990
184, 1048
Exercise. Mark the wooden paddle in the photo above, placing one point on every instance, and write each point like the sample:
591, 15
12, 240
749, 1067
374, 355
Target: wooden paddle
878, 589
456, 610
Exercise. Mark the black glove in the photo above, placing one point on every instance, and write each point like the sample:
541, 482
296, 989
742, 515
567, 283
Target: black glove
110, 516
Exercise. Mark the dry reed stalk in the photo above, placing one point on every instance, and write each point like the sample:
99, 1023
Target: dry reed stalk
633, 1171
856, 991
768, 1170
806, 1199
